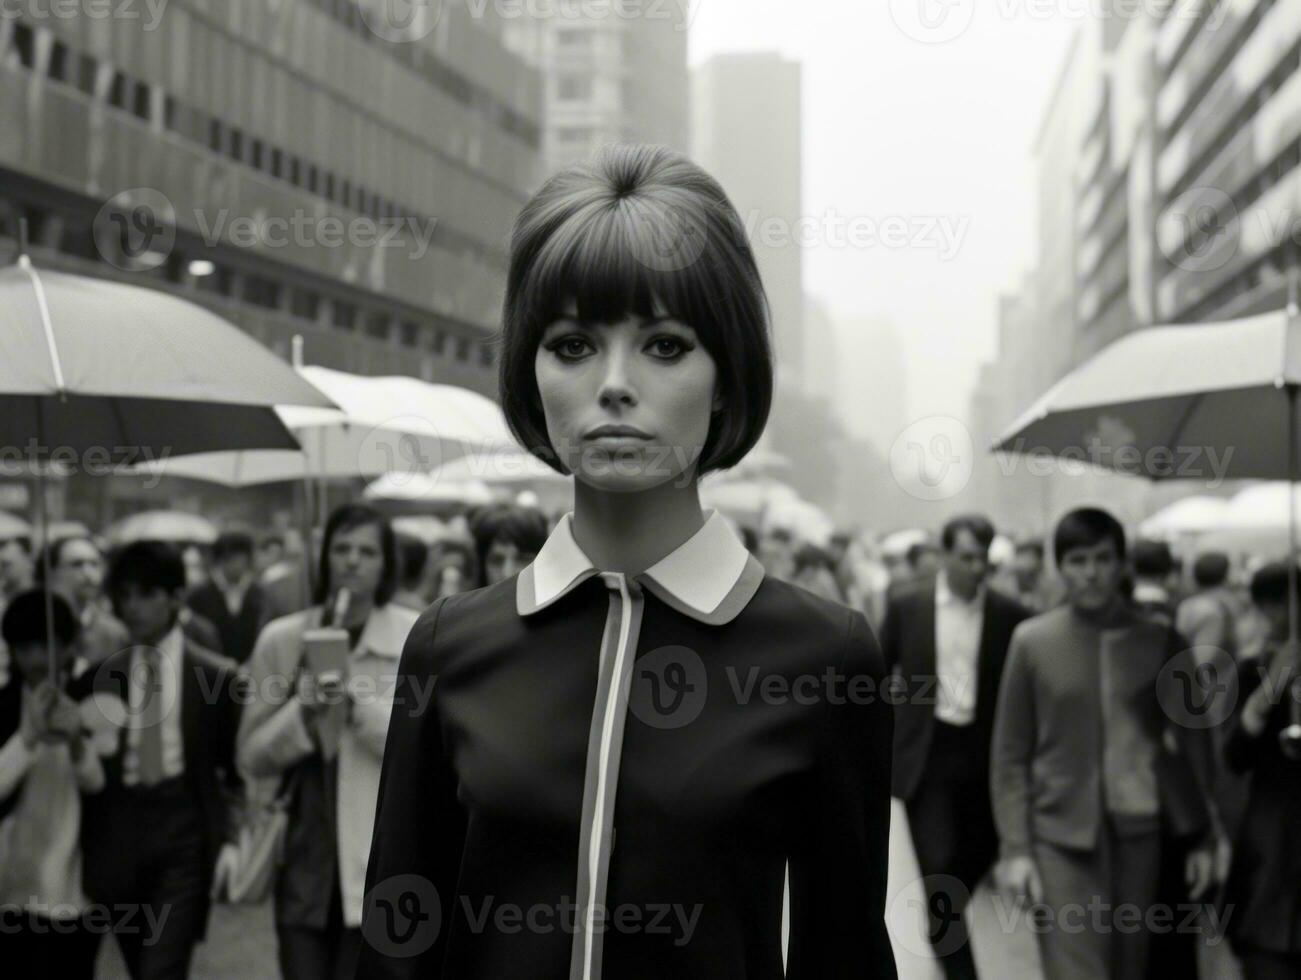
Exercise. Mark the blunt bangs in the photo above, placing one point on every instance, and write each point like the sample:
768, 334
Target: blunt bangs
639, 231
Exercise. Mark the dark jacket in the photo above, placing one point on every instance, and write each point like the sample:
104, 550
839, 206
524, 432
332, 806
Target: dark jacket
908, 642
481, 794
1264, 886
239, 632
210, 708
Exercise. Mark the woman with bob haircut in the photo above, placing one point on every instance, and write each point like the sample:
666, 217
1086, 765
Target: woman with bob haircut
632, 739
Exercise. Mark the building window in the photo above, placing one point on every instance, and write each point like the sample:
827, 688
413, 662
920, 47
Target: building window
377, 325
410, 333
141, 104
305, 304
313, 179
296, 171
462, 348
574, 88
345, 315
117, 91
59, 62
236, 147
277, 162
262, 292
25, 45
216, 136
87, 70
440, 341
256, 155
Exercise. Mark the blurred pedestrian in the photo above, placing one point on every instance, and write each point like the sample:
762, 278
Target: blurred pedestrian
46, 764
452, 566
232, 599
1027, 580
77, 572
815, 570
413, 560
1091, 791
946, 640
16, 568
1153, 567
152, 838
332, 788
282, 573
1264, 886
507, 537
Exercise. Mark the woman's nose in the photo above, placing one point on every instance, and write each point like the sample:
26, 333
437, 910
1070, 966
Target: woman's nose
616, 385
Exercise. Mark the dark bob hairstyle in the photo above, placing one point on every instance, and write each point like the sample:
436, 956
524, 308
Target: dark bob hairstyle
634, 231
345, 518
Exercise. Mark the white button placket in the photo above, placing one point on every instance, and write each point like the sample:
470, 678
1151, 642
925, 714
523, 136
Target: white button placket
618, 651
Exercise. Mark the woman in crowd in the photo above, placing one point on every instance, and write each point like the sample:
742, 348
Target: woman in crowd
1264, 886
286, 732
45, 764
506, 538
634, 823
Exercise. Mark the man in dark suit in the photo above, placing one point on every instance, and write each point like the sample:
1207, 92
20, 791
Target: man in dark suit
1092, 785
945, 638
231, 599
152, 838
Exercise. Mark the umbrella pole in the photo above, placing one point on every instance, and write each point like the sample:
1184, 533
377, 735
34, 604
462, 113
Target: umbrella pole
43, 520
1290, 737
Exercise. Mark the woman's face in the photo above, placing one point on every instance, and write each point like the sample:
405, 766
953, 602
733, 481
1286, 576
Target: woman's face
650, 376
357, 559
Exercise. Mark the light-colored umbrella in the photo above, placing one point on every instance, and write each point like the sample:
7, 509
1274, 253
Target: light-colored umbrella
1187, 517
423, 488
898, 543
175, 526
805, 520
1209, 401
745, 500
104, 373
383, 425
109, 372
499, 465
1255, 522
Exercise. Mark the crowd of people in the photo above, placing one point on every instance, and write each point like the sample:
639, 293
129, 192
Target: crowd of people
1042, 743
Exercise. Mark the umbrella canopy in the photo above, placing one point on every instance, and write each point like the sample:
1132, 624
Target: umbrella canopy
89, 365
501, 465
1189, 516
175, 526
1208, 401
745, 500
1201, 401
422, 487
383, 425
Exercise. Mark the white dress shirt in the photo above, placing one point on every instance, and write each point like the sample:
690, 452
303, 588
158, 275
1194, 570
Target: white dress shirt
958, 625
171, 649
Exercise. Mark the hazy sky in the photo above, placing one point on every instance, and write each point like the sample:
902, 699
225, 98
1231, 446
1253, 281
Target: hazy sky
937, 137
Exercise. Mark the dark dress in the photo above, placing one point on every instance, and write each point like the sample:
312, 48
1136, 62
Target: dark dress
1263, 891
481, 798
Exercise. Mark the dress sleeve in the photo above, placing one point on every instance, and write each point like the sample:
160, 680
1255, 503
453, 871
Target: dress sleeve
838, 872
419, 835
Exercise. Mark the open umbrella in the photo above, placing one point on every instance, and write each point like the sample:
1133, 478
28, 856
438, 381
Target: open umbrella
383, 425
12, 526
104, 373
175, 526
1209, 401
1188, 517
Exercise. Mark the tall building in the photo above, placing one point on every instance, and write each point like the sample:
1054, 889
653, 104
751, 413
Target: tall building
1228, 171
294, 166
821, 377
607, 77
746, 131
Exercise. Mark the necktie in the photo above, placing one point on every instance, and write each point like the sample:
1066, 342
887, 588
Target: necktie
151, 717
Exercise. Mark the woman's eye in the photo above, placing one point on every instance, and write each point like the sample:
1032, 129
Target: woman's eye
668, 348
569, 348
